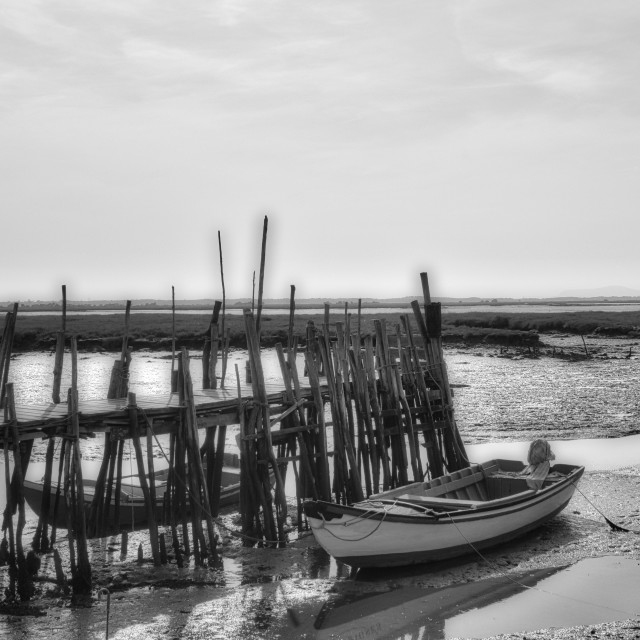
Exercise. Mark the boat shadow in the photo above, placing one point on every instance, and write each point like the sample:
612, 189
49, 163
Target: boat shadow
415, 612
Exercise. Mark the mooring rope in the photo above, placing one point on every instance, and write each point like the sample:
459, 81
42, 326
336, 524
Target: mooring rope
613, 525
339, 524
533, 588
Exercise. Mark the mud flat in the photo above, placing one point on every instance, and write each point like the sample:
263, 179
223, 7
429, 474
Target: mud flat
296, 592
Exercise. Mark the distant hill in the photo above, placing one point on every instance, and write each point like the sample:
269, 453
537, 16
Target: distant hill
601, 292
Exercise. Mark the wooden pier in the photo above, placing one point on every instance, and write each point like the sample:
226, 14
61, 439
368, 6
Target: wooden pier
364, 413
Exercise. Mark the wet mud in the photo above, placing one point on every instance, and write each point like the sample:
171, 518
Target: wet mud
288, 593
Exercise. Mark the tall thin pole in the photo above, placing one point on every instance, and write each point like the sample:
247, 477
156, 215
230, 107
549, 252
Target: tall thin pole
261, 280
224, 294
173, 328
292, 310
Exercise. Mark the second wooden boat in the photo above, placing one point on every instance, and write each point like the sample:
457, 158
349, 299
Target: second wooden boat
132, 509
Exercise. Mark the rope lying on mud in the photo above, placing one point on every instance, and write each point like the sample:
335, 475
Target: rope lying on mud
613, 525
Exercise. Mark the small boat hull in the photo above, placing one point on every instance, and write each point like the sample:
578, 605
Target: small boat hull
386, 532
132, 508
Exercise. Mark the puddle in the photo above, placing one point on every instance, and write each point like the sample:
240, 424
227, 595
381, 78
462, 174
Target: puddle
592, 591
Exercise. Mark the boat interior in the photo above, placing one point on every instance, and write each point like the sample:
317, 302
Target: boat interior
490, 483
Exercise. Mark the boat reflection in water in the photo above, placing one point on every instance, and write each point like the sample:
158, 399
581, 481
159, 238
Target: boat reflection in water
591, 591
414, 613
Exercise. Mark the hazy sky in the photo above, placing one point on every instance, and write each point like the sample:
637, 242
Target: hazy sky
493, 143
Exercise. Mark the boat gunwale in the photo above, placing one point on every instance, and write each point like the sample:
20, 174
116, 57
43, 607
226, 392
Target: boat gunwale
487, 509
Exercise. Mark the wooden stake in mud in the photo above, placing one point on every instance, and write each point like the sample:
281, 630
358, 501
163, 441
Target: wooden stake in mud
324, 481
261, 281
150, 507
456, 454
199, 496
60, 340
41, 537
252, 495
223, 331
6, 348
210, 350
174, 373
260, 395
119, 383
292, 311
299, 423
118, 388
8, 513
181, 490
81, 579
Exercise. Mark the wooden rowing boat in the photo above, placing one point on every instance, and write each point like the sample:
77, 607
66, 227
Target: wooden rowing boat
132, 509
457, 514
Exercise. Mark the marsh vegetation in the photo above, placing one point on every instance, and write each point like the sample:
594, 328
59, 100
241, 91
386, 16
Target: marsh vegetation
154, 330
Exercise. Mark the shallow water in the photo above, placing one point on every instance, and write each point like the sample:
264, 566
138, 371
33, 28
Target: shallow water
506, 403
591, 591
498, 397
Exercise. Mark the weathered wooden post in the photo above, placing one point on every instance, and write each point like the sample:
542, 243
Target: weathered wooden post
150, 507
224, 333
118, 388
263, 255
265, 443
60, 340
6, 347
199, 496
81, 577
174, 372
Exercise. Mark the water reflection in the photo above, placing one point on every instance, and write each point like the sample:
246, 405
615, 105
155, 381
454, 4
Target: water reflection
591, 591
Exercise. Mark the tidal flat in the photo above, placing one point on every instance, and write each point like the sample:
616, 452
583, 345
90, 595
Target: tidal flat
502, 396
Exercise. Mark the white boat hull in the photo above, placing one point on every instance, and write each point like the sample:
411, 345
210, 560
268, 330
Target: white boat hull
398, 536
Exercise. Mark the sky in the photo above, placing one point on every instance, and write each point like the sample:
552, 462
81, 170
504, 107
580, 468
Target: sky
494, 144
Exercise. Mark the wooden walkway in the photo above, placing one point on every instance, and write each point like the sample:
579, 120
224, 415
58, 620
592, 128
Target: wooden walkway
213, 407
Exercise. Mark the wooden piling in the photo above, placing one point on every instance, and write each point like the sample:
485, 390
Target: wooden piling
81, 580
263, 255
6, 348
174, 376
41, 537
223, 330
7, 524
150, 506
199, 496
292, 311
265, 443
60, 340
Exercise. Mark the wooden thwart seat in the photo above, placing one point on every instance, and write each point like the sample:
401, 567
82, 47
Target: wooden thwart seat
450, 503
440, 503
455, 485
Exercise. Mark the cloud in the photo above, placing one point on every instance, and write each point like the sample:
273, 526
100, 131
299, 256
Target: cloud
569, 54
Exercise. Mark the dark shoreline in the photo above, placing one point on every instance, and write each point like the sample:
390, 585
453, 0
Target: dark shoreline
154, 331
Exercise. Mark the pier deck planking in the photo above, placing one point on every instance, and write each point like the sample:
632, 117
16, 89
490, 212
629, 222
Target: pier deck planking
218, 405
